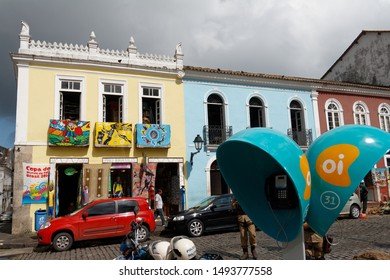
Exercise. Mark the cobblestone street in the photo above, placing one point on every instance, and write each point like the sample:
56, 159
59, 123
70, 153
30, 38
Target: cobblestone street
351, 237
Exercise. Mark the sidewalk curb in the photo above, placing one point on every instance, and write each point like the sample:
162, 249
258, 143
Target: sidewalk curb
16, 251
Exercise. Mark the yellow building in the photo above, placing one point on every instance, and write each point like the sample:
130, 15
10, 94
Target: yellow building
87, 116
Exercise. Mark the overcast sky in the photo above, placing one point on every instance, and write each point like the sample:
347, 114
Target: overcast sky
295, 38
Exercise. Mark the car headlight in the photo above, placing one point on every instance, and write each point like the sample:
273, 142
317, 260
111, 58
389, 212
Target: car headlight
178, 218
45, 225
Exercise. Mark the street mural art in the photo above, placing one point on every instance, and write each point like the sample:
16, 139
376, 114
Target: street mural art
36, 181
144, 176
112, 134
153, 135
68, 133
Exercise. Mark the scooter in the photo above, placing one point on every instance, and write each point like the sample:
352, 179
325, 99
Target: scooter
130, 246
179, 248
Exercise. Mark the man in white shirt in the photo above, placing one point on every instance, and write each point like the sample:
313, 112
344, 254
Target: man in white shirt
159, 211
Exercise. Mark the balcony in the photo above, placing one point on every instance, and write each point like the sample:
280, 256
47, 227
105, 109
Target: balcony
153, 135
215, 135
303, 138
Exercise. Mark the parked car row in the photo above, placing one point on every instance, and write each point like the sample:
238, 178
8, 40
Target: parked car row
112, 217
216, 213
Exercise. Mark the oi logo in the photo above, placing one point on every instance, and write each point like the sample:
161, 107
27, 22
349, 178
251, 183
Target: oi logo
333, 163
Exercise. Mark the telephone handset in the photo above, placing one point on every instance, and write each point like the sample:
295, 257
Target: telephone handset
281, 193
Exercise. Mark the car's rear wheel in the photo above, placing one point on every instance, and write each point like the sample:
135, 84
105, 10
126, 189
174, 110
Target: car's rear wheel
195, 228
354, 211
143, 234
62, 241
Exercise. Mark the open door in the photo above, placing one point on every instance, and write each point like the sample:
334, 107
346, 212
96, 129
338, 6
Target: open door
96, 178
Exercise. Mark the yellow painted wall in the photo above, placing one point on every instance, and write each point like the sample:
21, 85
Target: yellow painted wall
41, 110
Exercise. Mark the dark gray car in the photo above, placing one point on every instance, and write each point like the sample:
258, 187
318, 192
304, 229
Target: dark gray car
212, 214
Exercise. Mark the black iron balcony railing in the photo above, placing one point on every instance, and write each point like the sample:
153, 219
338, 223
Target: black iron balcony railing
303, 138
215, 135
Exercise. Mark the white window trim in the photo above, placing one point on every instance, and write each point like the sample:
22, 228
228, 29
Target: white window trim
124, 95
386, 158
341, 111
304, 108
225, 105
265, 108
142, 85
367, 113
58, 89
387, 106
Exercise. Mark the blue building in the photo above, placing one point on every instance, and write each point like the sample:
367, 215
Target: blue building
219, 103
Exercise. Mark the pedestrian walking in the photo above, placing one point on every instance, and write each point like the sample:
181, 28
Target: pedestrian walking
363, 199
159, 210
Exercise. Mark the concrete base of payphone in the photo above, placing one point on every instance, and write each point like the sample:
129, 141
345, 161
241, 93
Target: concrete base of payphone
295, 249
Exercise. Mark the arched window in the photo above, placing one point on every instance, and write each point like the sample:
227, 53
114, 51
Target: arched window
256, 112
361, 114
297, 130
216, 119
384, 117
333, 114
297, 116
218, 184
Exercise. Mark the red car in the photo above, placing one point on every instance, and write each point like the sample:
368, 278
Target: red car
98, 219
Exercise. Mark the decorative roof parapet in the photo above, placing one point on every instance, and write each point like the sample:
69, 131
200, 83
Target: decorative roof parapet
92, 52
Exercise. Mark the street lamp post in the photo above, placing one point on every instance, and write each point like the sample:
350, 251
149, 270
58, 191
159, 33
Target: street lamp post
198, 141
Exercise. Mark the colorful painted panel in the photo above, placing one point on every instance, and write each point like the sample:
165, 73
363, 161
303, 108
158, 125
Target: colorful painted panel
153, 135
69, 133
112, 134
35, 182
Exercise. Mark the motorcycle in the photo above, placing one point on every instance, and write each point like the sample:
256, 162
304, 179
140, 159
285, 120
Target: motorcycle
179, 248
130, 246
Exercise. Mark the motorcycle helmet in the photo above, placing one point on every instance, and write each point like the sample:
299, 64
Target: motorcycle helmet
159, 249
183, 248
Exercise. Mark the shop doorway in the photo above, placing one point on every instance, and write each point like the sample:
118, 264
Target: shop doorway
121, 172
168, 179
217, 182
69, 183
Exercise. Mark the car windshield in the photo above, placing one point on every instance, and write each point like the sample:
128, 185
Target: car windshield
204, 203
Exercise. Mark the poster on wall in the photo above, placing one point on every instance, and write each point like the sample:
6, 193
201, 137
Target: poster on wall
379, 177
68, 133
111, 134
36, 181
153, 135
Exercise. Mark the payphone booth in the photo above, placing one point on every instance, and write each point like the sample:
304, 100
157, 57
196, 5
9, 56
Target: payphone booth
279, 187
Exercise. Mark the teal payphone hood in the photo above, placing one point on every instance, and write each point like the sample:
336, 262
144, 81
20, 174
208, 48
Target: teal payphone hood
324, 178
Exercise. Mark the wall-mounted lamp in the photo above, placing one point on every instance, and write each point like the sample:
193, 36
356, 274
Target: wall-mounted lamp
198, 141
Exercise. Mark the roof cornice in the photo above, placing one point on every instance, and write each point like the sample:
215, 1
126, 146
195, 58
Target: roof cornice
270, 80
91, 55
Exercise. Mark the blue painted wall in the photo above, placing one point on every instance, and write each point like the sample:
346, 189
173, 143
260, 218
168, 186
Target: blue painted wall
195, 94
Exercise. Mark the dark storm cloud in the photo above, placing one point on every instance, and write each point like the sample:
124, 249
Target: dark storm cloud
295, 37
